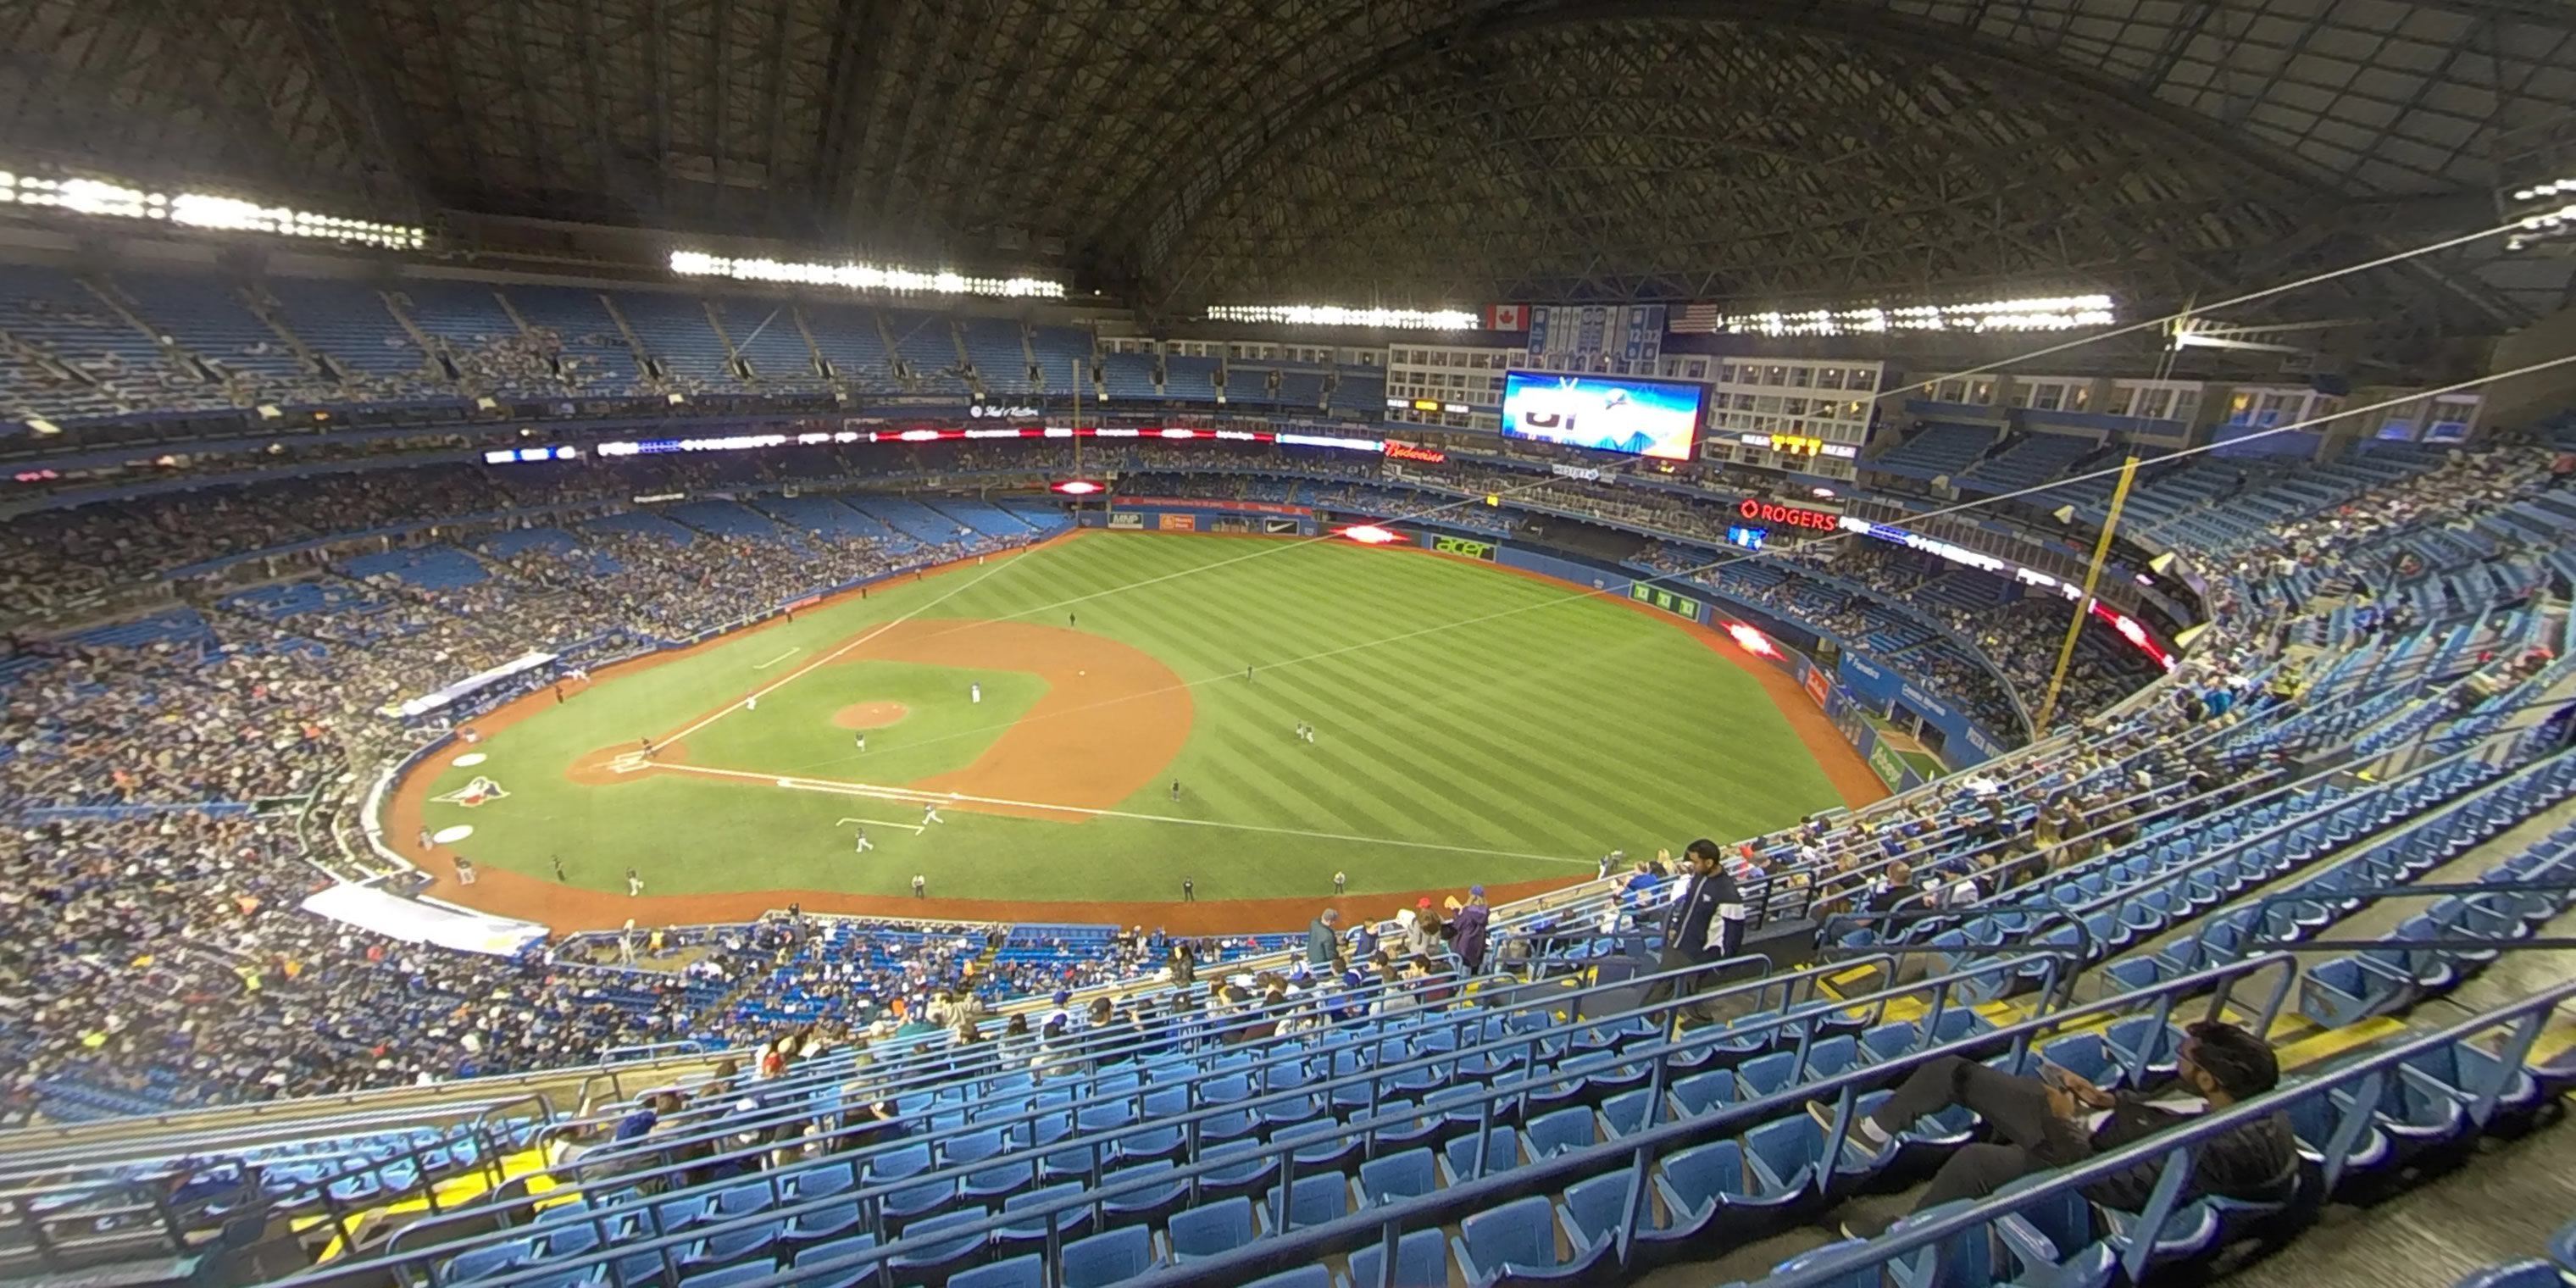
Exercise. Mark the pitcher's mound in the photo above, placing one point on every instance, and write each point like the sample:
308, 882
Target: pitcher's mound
870, 715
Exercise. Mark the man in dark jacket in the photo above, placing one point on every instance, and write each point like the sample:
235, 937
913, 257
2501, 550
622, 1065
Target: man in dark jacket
2061, 1119
1703, 924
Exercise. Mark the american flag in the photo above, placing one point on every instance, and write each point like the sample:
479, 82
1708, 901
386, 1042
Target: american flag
1694, 318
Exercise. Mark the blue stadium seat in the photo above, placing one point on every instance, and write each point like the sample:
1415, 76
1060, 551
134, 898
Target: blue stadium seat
1213, 1228
1109, 1257
1027, 1271
1515, 1241
1406, 1175
1421, 1261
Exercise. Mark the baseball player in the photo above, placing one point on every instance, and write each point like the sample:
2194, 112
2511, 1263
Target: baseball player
930, 813
634, 883
863, 742
865, 844
751, 703
975, 693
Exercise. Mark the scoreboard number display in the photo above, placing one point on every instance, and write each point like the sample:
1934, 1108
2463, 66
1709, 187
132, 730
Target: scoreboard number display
1677, 605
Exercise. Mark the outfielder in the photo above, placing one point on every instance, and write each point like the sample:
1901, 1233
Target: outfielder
930, 813
865, 844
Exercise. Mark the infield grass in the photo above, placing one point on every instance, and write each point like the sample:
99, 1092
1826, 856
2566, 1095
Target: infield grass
1458, 740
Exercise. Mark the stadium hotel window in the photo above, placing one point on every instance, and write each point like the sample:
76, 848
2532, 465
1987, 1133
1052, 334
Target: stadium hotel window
1864, 378
1802, 377
1981, 392
1775, 375
1726, 373
2045, 397
1950, 391
1829, 377
1794, 406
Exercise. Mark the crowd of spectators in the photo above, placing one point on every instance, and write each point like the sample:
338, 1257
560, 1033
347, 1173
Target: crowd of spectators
165, 952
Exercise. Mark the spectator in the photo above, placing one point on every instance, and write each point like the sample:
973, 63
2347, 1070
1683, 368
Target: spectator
1470, 928
1323, 944
2060, 1119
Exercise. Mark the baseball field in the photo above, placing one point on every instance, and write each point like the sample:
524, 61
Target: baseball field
1098, 720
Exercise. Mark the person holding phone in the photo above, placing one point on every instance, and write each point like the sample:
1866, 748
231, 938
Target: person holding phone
2060, 1118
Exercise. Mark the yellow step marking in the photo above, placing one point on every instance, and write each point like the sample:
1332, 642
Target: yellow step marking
451, 1192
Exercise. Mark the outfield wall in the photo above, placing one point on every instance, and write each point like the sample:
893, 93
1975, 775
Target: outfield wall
1970, 746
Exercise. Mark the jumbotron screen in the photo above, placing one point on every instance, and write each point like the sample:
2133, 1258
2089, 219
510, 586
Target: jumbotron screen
1657, 418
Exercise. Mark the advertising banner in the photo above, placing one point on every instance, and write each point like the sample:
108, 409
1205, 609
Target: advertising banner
1177, 522
1127, 519
1889, 765
1194, 503
1818, 685
1280, 527
1472, 549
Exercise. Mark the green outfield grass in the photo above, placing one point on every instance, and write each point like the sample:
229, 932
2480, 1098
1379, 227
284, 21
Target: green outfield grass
1499, 750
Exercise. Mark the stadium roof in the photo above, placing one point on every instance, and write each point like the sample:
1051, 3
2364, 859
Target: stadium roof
1395, 151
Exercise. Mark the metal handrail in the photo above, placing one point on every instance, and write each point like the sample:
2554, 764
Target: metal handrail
2178, 1147
1524, 1045
1282, 1149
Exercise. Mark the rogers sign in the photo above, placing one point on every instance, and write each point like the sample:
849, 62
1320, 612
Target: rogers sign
1794, 516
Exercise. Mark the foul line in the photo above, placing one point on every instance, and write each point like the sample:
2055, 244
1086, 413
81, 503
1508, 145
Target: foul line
780, 658
916, 796
809, 668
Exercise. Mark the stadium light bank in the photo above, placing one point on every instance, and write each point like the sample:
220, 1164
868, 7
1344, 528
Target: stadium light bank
116, 199
860, 277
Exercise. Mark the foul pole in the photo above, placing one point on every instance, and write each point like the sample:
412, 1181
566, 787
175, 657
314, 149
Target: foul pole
2084, 602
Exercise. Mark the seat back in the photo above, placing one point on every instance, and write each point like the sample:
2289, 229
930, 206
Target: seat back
1223, 1226
1421, 1261
1519, 1233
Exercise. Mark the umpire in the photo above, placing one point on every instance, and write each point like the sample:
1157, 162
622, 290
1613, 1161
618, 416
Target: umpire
1703, 924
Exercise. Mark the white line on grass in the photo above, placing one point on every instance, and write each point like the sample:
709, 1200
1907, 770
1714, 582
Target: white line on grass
916, 796
914, 828
780, 658
810, 667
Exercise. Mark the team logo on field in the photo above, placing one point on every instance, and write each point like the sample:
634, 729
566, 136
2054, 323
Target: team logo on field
481, 791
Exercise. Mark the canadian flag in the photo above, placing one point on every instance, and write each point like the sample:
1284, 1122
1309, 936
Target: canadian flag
1507, 317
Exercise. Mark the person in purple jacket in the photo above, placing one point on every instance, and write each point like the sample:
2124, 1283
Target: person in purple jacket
1469, 930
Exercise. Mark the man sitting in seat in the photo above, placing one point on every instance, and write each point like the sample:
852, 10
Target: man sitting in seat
2060, 1119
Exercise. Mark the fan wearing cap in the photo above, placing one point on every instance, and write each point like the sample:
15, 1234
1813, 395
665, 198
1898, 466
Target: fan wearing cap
1469, 928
